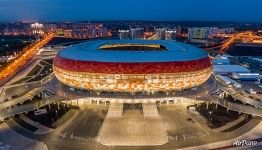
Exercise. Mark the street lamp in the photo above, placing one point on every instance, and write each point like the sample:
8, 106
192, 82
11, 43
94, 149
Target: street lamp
53, 121
56, 115
210, 119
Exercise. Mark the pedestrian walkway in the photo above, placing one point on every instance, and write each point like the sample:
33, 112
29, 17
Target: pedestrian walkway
115, 110
29, 95
242, 108
150, 110
134, 128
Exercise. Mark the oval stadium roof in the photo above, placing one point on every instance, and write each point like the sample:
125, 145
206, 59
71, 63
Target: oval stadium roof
175, 51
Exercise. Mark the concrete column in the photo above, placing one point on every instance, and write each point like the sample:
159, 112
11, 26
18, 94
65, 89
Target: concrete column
207, 106
226, 95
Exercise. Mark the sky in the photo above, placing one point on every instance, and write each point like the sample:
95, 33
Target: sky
155, 10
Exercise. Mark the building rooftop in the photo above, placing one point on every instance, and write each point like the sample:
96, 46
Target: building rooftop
221, 62
230, 69
171, 51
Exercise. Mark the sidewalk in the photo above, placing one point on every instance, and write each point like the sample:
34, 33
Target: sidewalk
253, 134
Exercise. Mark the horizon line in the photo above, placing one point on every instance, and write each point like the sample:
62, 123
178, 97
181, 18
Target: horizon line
123, 20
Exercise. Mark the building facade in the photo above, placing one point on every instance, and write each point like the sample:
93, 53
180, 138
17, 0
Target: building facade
137, 33
132, 66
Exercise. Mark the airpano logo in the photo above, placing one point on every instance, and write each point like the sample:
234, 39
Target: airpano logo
244, 143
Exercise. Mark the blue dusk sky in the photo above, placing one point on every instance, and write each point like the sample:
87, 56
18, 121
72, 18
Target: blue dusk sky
156, 10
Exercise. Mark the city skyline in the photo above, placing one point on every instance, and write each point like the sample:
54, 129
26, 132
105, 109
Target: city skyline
47, 10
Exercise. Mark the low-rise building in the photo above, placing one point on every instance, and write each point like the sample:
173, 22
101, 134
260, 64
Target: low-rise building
229, 69
247, 76
228, 81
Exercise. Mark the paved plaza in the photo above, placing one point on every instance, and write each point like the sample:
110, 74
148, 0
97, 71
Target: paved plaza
179, 124
133, 129
86, 124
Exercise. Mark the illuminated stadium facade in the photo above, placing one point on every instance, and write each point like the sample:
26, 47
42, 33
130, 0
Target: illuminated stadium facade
132, 66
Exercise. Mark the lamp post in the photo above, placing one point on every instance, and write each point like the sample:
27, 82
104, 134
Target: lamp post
210, 119
56, 115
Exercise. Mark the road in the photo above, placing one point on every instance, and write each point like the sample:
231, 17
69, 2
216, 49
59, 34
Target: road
4, 113
247, 109
29, 95
226, 45
28, 53
241, 96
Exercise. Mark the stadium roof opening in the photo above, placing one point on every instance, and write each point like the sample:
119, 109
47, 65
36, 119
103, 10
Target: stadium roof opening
133, 47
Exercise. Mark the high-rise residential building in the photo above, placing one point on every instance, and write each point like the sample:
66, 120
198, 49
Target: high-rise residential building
137, 33
85, 31
161, 34
226, 30
191, 33
165, 34
204, 33
170, 34
124, 34
50, 28
213, 31
88, 32
198, 33
179, 30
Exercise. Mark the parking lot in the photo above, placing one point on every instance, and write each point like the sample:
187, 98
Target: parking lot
87, 124
179, 124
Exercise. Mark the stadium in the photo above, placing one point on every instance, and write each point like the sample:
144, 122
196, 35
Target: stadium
132, 66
